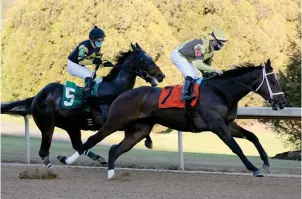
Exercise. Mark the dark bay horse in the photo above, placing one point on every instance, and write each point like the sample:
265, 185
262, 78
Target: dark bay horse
47, 112
215, 111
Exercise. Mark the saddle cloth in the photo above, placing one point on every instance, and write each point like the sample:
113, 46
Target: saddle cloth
170, 96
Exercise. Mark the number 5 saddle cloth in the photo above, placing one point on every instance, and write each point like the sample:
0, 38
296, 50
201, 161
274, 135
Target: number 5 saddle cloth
73, 96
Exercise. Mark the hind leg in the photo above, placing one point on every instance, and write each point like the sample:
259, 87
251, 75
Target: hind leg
45, 123
75, 137
107, 129
117, 119
239, 132
133, 134
148, 142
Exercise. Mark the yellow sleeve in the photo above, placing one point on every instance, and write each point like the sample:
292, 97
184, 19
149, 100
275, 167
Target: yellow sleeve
86, 62
82, 56
199, 64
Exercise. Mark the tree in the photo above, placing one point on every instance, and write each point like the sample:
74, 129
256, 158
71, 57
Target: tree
290, 81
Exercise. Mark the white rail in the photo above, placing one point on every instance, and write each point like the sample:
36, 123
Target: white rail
243, 113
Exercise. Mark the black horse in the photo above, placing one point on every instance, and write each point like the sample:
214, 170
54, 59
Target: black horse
215, 111
48, 114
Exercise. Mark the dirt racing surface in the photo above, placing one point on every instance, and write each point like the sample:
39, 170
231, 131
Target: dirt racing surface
92, 183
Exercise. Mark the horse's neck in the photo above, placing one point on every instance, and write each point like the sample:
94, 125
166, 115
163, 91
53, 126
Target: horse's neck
233, 90
125, 79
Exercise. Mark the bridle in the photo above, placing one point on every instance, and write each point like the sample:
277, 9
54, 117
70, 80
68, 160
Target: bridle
269, 98
264, 75
143, 72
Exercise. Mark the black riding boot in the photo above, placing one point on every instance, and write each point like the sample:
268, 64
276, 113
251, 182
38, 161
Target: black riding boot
187, 93
88, 86
104, 111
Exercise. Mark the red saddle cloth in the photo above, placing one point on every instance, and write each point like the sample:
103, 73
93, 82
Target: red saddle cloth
170, 97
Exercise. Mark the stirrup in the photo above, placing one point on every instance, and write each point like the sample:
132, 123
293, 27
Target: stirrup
187, 97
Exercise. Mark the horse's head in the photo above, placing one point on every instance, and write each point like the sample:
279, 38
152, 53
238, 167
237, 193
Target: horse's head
269, 87
144, 66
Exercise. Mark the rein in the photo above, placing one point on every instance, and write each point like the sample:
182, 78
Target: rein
143, 73
269, 97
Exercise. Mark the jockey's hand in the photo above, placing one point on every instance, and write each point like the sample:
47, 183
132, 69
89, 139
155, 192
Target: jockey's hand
218, 71
107, 64
97, 61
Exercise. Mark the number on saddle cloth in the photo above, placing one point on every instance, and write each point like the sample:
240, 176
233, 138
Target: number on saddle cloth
170, 96
73, 95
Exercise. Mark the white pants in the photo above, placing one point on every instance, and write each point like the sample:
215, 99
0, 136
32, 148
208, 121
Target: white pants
80, 71
185, 67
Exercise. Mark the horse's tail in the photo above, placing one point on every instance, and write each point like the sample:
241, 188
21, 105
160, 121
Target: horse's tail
22, 107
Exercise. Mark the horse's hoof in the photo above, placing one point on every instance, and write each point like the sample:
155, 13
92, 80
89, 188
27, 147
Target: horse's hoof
49, 166
258, 173
62, 159
148, 144
47, 163
110, 174
102, 160
266, 168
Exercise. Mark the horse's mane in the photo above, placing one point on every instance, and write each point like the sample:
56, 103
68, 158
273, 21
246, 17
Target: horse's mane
115, 70
240, 69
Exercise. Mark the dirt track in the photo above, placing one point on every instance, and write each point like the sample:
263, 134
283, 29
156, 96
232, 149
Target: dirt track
92, 183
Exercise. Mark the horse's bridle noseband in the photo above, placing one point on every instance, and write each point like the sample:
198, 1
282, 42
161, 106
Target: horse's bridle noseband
269, 98
264, 75
143, 73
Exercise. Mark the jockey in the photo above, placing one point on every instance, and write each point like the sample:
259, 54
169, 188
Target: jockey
196, 53
87, 53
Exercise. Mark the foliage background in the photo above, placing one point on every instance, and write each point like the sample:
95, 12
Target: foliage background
38, 35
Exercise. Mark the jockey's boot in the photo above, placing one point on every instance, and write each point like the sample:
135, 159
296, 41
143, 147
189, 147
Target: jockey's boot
104, 111
187, 92
88, 85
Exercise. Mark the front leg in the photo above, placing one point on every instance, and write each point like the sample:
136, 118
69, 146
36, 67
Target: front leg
239, 132
75, 137
219, 127
96, 157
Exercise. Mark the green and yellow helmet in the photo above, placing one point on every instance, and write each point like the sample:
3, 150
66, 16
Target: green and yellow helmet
218, 35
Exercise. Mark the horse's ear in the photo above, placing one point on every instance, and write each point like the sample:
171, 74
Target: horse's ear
133, 47
268, 62
136, 44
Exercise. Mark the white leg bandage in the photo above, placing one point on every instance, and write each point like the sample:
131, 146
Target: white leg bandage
185, 67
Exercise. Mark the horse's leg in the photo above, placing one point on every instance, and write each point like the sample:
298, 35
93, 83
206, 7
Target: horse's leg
75, 137
239, 132
118, 117
108, 128
133, 134
219, 127
45, 122
148, 142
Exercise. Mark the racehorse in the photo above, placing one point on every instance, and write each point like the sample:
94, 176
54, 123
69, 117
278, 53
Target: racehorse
215, 110
47, 112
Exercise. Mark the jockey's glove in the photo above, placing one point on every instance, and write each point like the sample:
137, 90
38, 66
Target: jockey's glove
97, 61
218, 71
107, 64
